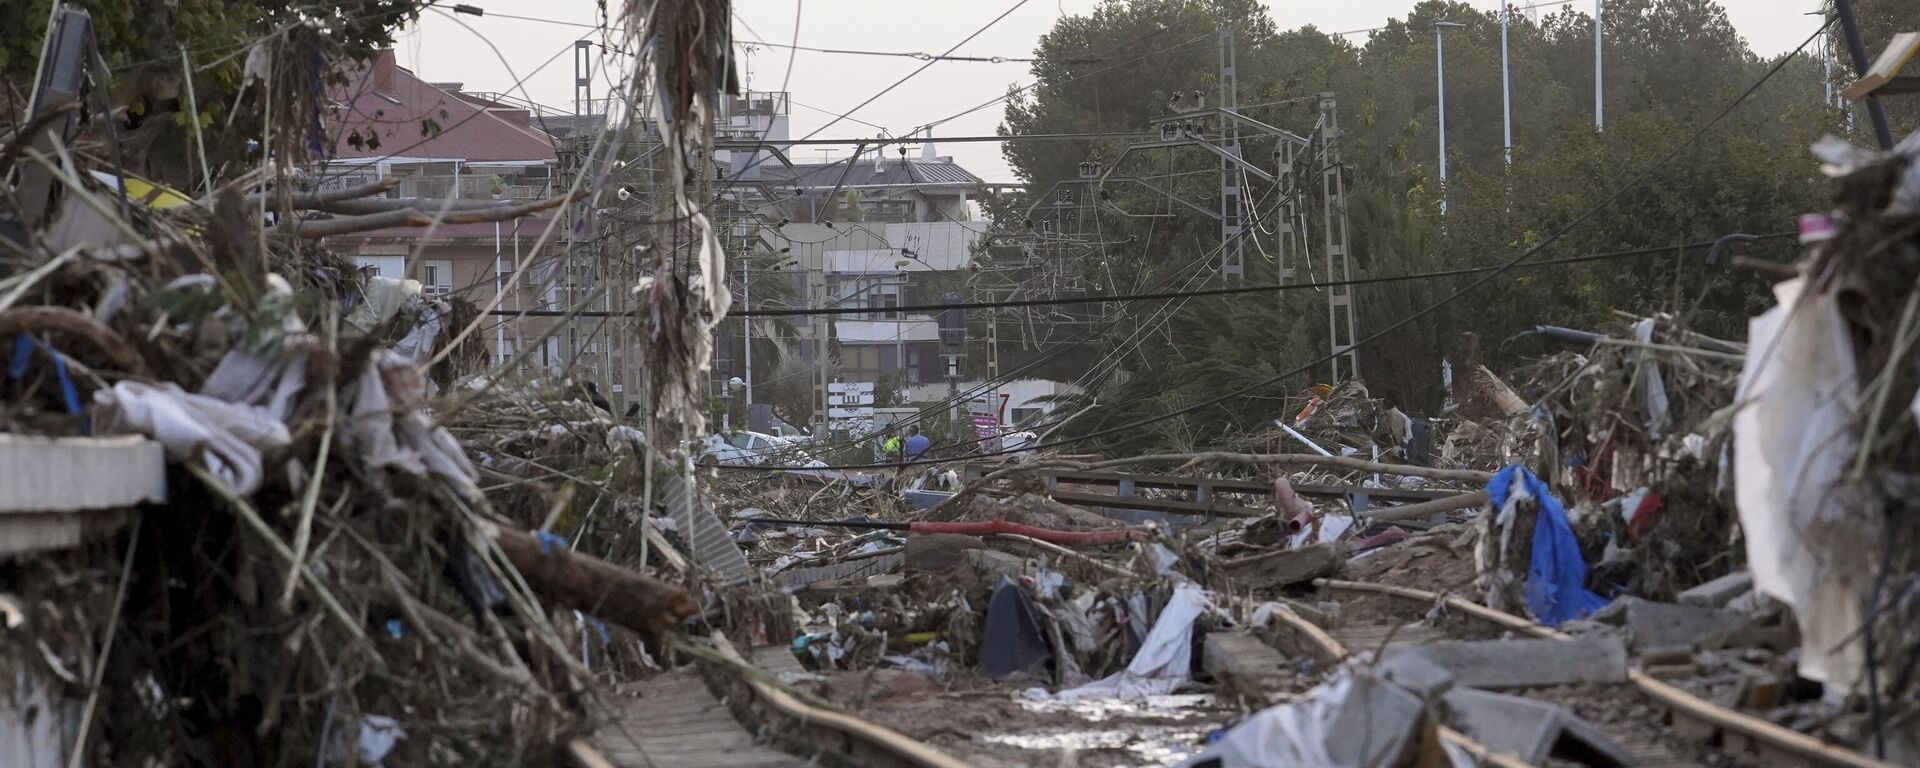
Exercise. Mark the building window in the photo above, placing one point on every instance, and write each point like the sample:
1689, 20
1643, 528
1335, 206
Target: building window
381, 266
436, 277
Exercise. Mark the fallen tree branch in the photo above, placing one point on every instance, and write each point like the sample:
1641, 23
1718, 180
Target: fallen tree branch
351, 224
879, 736
324, 197
631, 599
1189, 460
383, 204
73, 324
413, 217
1425, 508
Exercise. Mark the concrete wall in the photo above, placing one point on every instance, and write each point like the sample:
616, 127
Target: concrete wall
1021, 394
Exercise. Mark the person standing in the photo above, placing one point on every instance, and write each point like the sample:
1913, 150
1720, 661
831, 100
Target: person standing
916, 444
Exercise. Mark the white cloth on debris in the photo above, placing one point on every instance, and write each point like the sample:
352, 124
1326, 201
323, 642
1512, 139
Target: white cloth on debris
254, 380
226, 438
1650, 379
392, 429
1161, 665
1294, 733
1310, 732
1792, 439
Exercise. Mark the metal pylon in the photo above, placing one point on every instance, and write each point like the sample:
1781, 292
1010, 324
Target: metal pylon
1233, 248
1333, 194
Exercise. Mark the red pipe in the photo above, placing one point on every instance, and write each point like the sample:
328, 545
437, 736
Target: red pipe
1062, 538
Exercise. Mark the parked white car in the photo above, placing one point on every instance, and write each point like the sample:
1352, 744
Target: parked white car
743, 447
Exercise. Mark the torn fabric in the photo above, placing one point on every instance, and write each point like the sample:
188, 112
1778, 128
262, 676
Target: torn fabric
1798, 393
1165, 656
224, 437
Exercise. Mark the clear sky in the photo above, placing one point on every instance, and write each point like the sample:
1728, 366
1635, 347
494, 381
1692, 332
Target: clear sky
823, 85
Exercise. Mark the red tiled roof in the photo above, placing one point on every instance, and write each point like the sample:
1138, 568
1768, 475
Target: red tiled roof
388, 101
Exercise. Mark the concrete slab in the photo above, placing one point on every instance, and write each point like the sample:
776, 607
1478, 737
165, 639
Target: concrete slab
1532, 730
1657, 625
1719, 592
1501, 664
1242, 663
1377, 725
1415, 673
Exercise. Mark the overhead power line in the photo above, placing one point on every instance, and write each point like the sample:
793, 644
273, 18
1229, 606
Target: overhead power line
923, 56
1403, 322
1157, 296
881, 142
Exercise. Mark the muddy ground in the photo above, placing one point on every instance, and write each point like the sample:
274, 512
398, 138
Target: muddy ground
993, 725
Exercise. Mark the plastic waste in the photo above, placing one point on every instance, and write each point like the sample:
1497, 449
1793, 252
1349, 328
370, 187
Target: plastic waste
1556, 578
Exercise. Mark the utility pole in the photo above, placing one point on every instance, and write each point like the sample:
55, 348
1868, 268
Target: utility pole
1599, 104
746, 323
1440, 72
1506, 89
1857, 49
822, 339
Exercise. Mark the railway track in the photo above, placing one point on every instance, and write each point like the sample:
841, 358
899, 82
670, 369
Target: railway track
1742, 737
712, 717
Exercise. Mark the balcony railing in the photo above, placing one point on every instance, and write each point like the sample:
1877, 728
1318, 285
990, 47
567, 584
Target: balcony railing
467, 186
477, 186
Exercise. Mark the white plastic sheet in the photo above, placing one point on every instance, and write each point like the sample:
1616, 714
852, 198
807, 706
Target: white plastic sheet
1791, 442
1161, 665
226, 438
1289, 734
1656, 386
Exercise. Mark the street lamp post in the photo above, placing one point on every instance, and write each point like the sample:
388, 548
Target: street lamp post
1440, 69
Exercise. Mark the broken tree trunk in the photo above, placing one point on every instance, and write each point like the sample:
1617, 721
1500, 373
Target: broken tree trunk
1274, 570
1502, 396
950, 508
1425, 508
633, 600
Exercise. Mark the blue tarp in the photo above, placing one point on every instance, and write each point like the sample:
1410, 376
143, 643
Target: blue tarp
1557, 577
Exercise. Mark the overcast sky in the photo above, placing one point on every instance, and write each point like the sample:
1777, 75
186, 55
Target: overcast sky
822, 85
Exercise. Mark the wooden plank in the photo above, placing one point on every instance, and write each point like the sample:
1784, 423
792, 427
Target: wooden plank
682, 724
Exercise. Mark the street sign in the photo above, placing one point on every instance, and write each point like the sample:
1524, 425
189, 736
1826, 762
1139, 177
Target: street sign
850, 413
850, 387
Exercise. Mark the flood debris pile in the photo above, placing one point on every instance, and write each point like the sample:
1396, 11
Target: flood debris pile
314, 571
1825, 446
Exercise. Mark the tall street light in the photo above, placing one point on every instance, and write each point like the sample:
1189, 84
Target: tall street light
1440, 68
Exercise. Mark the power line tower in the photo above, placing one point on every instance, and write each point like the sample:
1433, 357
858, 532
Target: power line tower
1233, 248
1223, 131
1333, 200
